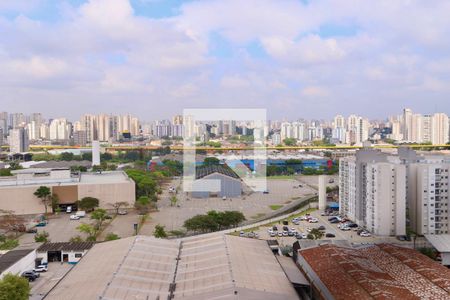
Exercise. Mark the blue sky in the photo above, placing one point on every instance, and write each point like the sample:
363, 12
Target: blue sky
152, 58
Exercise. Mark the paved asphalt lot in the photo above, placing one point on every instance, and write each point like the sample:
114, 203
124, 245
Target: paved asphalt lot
59, 227
48, 279
281, 192
350, 236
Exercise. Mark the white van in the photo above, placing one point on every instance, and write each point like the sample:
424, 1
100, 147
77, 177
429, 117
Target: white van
69, 209
80, 213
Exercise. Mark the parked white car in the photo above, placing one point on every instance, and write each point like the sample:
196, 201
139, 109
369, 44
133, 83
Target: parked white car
74, 217
313, 220
80, 213
365, 234
40, 268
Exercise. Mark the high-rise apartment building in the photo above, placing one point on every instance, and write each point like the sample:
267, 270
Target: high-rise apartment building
177, 120
60, 130
373, 191
286, 131
385, 197
417, 128
18, 140
430, 206
79, 138
4, 122
407, 124
89, 125
17, 120
384, 192
439, 129
103, 127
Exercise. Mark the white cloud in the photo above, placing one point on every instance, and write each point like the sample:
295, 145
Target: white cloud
234, 81
309, 50
314, 91
103, 52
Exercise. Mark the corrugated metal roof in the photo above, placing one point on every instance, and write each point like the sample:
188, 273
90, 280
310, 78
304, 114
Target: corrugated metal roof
209, 266
439, 241
66, 246
208, 170
292, 271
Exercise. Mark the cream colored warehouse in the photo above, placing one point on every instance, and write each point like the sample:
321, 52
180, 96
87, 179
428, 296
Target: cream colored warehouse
16, 192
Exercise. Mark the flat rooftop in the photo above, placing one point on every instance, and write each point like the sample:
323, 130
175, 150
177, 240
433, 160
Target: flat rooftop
104, 177
11, 257
40, 178
210, 266
374, 272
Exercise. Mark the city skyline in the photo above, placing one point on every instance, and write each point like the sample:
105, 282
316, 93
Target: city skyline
294, 59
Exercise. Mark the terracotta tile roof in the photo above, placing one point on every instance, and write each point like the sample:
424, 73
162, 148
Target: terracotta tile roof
378, 272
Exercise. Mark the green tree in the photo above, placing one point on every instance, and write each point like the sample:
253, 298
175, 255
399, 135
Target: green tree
118, 205
43, 193
146, 187
86, 156
67, 156
89, 230
142, 204
14, 287
41, 237
99, 215
111, 237
211, 161
76, 239
14, 165
106, 156
54, 201
88, 203
290, 142
173, 200
202, 223
316, 234
160, 232
5, 172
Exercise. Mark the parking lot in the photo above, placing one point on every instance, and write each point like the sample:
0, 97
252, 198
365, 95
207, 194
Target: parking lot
60, 229
48, 279
121, 225
253, 206
303, 227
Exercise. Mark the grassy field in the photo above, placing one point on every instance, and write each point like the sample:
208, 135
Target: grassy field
281, 177
275, 206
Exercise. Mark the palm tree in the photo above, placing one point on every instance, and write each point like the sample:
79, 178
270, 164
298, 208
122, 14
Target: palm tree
43, 193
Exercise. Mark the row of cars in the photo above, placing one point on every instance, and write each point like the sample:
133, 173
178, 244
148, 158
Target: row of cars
308, 218
34, 274
81, 214
347, 225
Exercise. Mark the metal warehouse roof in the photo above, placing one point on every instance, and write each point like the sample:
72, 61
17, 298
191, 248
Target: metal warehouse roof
11, 257
208, 170
66, 246
210, 266
439, 241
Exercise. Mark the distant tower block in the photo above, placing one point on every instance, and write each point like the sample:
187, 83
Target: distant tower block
95, 153
322, 192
